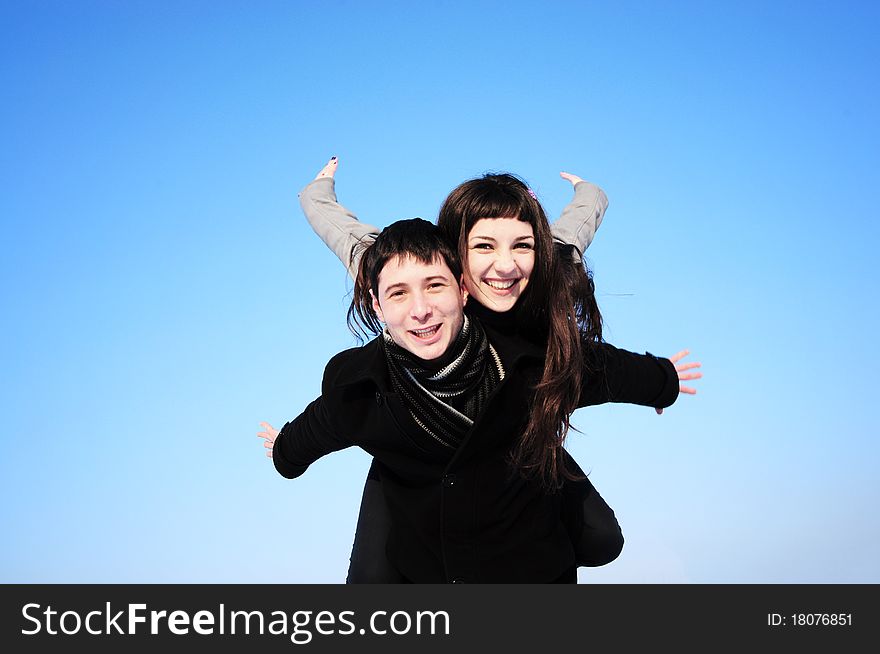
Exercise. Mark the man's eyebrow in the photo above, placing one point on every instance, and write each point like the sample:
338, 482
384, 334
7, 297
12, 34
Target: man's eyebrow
395, 286
426, 280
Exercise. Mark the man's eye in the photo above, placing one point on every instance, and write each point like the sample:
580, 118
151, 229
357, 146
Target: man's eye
396, 294
436, 285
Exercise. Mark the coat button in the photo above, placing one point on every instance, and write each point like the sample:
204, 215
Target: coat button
378, 398
449, 481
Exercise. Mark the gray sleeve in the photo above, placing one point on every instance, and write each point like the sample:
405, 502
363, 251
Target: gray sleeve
338, 227
581, 218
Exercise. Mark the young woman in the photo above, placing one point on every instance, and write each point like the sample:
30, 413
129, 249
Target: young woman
439, 402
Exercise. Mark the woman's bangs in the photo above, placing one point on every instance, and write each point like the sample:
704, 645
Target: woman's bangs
494, 205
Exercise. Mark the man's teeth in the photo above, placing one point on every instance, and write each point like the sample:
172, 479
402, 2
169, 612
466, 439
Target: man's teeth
427, 331
501, 286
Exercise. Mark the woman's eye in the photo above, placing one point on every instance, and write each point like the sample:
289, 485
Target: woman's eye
524, 246
482, 246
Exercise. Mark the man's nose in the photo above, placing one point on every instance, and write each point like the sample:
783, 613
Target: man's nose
421, 308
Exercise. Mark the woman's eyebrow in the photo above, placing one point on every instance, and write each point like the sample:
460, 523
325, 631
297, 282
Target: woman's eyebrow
524, 237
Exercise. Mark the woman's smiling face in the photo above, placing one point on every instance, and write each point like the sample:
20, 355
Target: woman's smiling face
500, 259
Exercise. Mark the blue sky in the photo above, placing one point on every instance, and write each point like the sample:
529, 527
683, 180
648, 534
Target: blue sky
162, 292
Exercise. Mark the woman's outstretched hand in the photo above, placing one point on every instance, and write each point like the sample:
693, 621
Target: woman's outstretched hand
329, 170
269, 433
681, 369
574, 179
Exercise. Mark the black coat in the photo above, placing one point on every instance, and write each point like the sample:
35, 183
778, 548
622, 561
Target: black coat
469, 518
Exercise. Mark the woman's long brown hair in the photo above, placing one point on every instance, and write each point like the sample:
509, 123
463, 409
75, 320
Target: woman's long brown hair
559, 302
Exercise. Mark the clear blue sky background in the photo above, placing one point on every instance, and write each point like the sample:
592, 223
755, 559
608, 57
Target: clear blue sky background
162, 292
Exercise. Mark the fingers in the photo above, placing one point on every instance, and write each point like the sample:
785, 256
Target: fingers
686, 376
574, 179
329, 170
270, 435
270, 431
679, 356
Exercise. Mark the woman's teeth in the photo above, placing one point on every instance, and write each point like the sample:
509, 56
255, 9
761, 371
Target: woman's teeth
501, 286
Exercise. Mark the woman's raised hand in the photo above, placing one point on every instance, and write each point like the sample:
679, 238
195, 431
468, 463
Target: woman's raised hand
574, 179
681, 369
269, 433
329, 170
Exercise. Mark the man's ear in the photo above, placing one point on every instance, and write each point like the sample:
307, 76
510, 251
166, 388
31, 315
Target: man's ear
463, 289
376, 307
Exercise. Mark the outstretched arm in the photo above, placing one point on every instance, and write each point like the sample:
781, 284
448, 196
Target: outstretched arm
303, 440
312, 434
615, 375
582, 216
338, 227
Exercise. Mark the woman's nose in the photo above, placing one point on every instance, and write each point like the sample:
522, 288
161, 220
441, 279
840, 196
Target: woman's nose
504, 263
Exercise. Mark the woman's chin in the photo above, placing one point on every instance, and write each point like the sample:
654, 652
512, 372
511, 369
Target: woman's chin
498, 304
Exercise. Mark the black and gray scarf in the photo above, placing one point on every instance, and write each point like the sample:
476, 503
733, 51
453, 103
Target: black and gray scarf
445, 396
